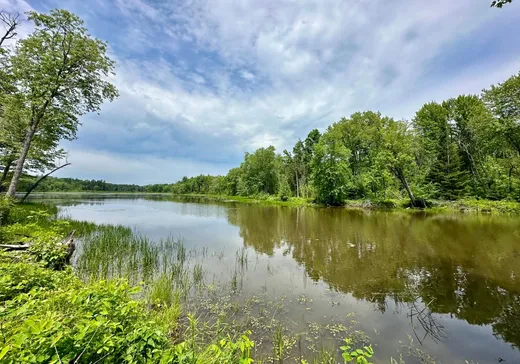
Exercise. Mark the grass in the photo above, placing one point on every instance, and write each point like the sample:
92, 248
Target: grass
463, 205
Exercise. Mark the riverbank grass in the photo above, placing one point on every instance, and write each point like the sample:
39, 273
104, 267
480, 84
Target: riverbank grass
131, 300
50, 315
463, 205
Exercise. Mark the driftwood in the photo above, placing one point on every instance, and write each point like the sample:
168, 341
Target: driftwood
68, 241
15, 246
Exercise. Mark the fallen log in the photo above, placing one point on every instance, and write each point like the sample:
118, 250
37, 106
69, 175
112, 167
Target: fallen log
68, 241
71, 246
15, 246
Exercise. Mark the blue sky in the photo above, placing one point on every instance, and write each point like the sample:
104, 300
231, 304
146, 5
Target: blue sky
203, 81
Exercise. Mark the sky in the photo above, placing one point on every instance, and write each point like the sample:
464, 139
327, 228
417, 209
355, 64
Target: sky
203, 81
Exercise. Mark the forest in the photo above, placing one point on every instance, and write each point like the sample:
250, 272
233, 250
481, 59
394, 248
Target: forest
464, 147
54, 184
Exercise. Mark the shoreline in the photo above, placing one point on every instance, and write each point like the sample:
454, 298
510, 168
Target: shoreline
460, 206
438, 206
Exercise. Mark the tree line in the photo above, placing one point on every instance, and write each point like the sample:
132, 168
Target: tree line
54, 184
464, 147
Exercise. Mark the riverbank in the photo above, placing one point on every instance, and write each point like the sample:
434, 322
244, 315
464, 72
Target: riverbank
49, 314
464, 206
162, 311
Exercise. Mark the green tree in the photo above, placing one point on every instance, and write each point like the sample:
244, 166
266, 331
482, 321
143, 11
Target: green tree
60, 72
330, 170
44, 152
438, 142
397, 156
362, 136
504, 102
232, 181
259, 171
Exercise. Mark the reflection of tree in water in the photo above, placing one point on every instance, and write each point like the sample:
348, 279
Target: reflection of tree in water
466, 266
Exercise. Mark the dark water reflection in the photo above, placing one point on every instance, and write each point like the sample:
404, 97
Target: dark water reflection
451, 281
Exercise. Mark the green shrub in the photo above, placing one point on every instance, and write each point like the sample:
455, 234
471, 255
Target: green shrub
17, 278
97, 322
6, 205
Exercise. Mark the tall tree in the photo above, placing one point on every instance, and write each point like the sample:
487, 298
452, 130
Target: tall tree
44, 152
61, 73
330, 170
504, 102
436, 135
259, 171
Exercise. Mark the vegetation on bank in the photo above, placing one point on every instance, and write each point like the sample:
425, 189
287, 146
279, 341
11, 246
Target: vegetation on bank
465, 148
464, 205
54, 184
49, 315
53, 314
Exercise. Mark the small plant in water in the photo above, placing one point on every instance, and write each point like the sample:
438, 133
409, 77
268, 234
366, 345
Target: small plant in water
359, 356
198, 274
234, 282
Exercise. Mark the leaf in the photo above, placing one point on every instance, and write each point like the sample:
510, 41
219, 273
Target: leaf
4, 351
346, 356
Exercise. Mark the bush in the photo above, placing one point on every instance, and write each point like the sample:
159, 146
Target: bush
17, 278
45, 247
5, 206
52, 317
97, 322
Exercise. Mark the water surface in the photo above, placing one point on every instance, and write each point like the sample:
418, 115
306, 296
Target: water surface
450, 282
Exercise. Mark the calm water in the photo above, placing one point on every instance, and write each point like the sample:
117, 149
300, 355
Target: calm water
451, 282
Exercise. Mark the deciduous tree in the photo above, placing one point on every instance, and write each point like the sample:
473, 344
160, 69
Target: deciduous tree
60, 72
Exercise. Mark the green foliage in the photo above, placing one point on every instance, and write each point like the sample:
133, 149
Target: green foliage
17, 278
359, 356
259, 172
331, 173
54, 184
504, 102
59, 72
285, 190
44, 239
500, 3
96, 322
6, 205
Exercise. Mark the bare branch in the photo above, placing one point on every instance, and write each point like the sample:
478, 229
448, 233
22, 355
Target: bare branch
10, 22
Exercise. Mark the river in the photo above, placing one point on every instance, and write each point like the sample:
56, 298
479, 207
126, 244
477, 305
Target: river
448, 283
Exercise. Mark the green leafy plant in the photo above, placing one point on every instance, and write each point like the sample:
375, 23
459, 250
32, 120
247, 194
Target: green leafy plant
5, 207
359, 356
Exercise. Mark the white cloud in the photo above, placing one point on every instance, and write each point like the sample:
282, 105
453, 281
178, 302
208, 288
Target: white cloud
245, 74
131, 168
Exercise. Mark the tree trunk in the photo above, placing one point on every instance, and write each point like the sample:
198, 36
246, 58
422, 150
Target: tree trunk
21, 160
408, 190
41, 179
297, 185
400, 176
7, 167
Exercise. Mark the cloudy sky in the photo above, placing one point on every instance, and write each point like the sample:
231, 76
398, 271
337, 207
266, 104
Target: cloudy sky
203, 81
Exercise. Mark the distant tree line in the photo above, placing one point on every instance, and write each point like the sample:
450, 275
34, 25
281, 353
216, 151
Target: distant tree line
464, 147
53, 184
